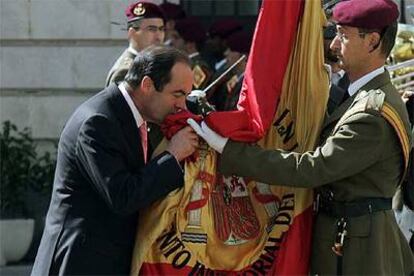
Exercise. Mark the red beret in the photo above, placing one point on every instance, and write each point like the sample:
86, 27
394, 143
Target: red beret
141, 9
224, 27
172, 11
191, 29
240, 42
368, 14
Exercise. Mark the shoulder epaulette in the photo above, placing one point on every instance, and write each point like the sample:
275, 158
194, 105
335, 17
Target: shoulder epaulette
375, 100
394, 119
199, 76
127, 61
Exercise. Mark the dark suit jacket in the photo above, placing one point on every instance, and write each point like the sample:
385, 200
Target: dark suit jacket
101, 183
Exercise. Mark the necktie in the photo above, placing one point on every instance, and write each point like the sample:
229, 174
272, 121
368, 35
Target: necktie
144, 139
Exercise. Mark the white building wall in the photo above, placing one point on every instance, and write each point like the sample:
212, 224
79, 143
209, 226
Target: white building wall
54, 54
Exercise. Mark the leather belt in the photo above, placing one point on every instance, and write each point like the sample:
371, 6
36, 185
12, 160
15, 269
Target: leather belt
355, 208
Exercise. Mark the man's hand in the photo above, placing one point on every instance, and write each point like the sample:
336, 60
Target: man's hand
183, 143
214, 140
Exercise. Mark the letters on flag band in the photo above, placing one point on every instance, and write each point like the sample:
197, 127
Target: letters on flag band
234, 225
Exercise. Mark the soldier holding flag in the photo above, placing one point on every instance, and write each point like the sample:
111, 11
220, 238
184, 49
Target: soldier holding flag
361, 159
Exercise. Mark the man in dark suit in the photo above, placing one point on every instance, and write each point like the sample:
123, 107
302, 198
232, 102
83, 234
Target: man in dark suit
361, 159
103, 178
146, 27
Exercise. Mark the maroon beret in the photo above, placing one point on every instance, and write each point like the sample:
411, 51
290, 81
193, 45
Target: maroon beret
240, 42
224, 27
142, 9
191, 29
368, 14
172, 11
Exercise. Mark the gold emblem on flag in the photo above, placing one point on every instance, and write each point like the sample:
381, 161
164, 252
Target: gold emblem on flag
139, 9
199, 76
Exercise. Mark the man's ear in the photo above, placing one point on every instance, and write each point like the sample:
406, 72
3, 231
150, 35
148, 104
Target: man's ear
374, 40
147, 85
131, 32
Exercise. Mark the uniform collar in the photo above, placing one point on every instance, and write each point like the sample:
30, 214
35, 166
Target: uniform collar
132, 51
359, 83
137, 116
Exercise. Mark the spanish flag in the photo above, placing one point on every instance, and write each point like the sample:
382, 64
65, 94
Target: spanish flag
233, 225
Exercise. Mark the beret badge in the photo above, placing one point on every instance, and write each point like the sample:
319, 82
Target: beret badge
139, 10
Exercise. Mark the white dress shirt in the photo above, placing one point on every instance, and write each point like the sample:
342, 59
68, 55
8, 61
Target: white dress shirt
137, 116
356, 85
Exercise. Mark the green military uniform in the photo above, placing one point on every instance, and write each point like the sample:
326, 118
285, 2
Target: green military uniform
202, 72
120, 68
359, 157
228, 93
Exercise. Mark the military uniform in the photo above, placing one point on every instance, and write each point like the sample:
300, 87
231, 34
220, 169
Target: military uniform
218, 33
226, 96
234, 86
190, 37
360, 157
202, 71
121, 67
173, 12
134, 13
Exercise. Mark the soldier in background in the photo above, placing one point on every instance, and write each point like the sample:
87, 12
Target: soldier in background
189, 36
172, 12
146, 26
216, 43
227, 95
